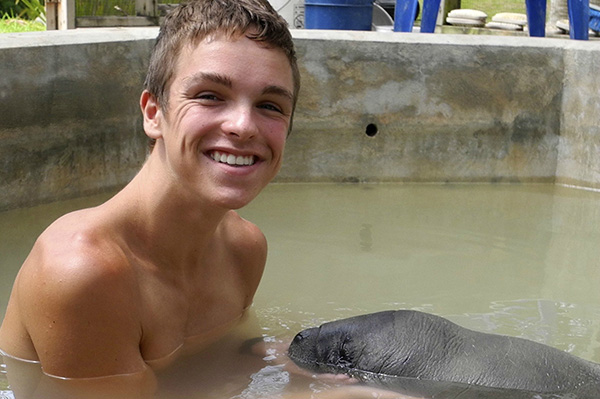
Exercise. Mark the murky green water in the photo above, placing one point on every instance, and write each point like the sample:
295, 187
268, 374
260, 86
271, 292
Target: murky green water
522, 260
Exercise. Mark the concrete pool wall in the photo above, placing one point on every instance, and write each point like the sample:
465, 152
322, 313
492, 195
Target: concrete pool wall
438, 108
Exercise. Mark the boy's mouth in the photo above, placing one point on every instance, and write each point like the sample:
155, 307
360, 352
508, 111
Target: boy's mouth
231, 159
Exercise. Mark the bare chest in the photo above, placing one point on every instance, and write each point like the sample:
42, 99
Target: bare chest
185, 318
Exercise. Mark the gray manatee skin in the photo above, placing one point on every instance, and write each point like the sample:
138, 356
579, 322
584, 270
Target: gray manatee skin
407, 349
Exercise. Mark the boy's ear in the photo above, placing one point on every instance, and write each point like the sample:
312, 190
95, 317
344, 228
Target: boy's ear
153, 115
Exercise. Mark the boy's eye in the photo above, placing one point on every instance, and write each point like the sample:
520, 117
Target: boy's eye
271, 107
207, 96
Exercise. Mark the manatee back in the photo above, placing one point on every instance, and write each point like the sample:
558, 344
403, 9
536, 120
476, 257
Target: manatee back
407, 343
420, 345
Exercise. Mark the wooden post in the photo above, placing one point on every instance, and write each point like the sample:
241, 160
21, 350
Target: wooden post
66, 14
60, 14
445, 7
51, 14
146, 8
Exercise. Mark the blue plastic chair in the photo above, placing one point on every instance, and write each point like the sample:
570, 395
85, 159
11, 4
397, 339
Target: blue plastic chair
579, 17
405, 12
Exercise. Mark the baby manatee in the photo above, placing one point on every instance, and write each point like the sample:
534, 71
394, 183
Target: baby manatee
419, 353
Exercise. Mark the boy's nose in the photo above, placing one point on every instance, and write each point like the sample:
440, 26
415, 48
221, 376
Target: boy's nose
241, 123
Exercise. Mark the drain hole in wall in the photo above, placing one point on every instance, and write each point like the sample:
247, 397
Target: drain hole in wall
371, 130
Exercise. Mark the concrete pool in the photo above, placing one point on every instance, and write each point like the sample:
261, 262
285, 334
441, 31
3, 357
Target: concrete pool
379, 109
437, 108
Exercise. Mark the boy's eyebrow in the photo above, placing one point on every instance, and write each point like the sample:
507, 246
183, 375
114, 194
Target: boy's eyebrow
280, 91
227, 82
210, 76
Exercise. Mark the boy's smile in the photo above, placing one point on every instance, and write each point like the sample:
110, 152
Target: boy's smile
231, 159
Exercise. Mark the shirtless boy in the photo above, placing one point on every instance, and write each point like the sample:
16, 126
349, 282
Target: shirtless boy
110, 294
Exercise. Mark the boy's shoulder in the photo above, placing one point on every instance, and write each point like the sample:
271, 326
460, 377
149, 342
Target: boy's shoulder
77, 250
243, 234
247, 246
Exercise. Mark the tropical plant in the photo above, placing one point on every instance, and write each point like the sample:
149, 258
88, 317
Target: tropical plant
32, 9
9, 8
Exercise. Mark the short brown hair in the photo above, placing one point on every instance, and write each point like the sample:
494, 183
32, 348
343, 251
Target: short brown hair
194, 20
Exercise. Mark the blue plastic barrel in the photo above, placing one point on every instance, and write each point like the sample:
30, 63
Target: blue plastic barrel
338, 14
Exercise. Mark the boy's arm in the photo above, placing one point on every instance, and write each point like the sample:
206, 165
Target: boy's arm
81, 313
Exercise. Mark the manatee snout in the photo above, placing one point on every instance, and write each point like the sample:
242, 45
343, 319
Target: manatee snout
303, 335
302, 348
324, 349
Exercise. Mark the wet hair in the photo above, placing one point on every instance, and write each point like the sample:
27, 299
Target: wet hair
191, 22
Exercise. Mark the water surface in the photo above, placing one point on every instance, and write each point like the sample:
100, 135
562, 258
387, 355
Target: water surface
522, 260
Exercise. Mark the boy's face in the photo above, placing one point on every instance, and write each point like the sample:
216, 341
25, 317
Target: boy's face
227, 118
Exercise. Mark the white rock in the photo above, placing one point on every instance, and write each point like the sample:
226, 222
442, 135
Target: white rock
465, 13
510, 18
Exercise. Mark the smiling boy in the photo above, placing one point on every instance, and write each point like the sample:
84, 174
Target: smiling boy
109, 295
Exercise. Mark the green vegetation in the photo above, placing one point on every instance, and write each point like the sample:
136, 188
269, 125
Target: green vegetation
493, 7
87, 8
9, 7
32, 9
22, 16
8, 25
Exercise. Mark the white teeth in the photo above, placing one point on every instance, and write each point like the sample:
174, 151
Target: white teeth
231, 159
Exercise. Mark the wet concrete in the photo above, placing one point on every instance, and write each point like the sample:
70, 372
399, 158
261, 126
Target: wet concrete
436, 107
